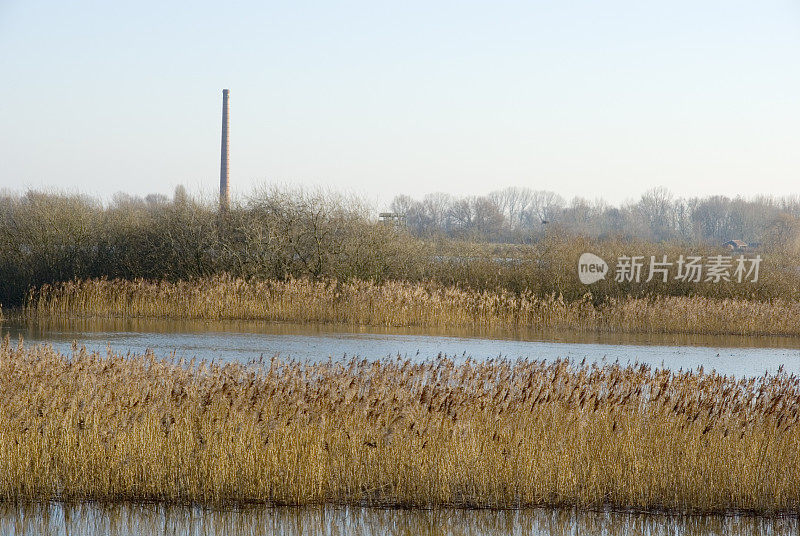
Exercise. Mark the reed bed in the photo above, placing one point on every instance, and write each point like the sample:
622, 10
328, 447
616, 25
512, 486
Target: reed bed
496, 434
399, 303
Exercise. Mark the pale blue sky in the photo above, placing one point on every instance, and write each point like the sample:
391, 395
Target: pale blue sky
580, 97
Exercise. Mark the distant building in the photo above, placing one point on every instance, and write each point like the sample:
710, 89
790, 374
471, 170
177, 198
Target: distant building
392, 218
736, 245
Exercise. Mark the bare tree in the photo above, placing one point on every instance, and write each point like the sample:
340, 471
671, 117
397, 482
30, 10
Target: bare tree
544, 207
513, 203
657, 209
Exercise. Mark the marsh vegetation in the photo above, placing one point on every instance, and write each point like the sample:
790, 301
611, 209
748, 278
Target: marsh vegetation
398, 303
398, 433
275, 234
394, 433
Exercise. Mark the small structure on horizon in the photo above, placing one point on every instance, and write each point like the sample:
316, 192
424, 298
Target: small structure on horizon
392, 218
224, 164
736, 245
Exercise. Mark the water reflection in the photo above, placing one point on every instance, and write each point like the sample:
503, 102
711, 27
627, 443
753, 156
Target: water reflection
14, 325
246, 341
128, 520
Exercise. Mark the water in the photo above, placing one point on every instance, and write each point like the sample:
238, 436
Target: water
132, 519
238, 341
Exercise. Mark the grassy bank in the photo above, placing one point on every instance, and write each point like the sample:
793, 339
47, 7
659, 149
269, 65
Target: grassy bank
408, 304
496, 434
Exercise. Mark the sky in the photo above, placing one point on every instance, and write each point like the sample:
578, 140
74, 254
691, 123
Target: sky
584, 98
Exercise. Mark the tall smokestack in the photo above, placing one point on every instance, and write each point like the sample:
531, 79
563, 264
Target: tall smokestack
224, 167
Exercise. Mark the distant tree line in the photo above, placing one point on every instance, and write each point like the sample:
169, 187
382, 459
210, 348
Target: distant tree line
514, 239
520, 215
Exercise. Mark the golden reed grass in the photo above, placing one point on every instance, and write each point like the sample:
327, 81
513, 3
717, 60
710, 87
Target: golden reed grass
407, 304
473, 434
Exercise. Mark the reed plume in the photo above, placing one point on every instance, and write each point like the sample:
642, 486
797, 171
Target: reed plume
399, 303
500, 434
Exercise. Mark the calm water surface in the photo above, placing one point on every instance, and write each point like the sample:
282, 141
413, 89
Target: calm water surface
246, 341
130, 520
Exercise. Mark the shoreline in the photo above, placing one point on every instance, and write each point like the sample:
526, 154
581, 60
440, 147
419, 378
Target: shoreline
404, 304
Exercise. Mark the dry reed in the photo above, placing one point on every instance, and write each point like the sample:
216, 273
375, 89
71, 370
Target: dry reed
407, 304
470, 434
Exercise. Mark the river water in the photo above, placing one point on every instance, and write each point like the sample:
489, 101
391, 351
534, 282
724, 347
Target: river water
132, 519
247, 341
